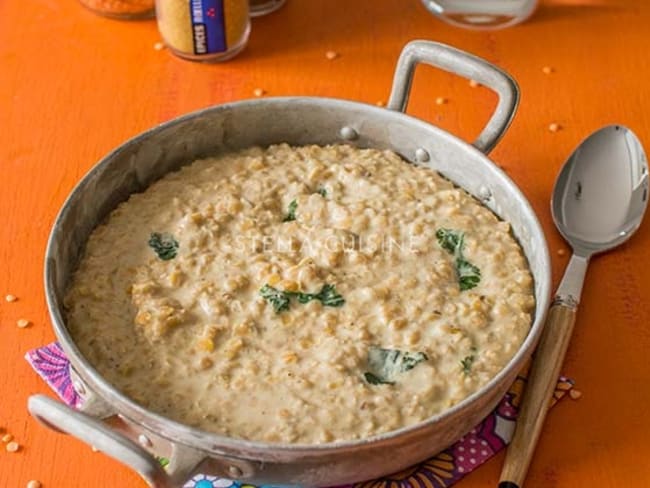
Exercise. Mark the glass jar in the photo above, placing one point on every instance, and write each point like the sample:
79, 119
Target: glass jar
482, 14
121, 9
263, 7
204, 30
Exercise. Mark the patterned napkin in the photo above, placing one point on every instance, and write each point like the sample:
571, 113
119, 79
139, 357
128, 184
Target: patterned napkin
440, 471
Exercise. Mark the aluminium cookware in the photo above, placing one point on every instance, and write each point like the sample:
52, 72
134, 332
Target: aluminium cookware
130, 433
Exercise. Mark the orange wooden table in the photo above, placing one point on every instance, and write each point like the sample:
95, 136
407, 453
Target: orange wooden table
73, 86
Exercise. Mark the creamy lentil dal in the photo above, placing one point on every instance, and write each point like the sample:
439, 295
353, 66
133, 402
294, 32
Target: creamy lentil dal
300, 294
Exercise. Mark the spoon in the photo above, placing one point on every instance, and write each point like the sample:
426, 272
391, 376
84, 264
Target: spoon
599, 200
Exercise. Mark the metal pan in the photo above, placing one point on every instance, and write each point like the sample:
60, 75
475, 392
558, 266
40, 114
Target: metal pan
130, 433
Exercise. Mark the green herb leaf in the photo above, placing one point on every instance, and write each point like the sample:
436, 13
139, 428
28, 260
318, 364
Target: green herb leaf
375, 380
453, 241
327, 296
164, 245
385, 365
303, 297
469, 275
467, 363
291, 213
279, 299
450, 240
322, 192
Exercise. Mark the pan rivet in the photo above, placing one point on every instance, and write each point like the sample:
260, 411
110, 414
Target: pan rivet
235, 472
144, 440
79, 387
421, 155
484, 193
349, 134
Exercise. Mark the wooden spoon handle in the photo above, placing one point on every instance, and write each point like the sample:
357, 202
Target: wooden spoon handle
541, 385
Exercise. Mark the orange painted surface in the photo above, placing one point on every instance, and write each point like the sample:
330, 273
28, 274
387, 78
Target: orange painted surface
73, 86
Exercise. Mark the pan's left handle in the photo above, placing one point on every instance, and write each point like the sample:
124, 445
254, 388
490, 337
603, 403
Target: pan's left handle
463, 64
59, 417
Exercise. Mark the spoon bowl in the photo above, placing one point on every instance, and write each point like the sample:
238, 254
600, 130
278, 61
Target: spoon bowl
601, 193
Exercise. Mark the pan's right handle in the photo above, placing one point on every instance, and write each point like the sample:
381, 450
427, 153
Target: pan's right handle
463, 64
62, 418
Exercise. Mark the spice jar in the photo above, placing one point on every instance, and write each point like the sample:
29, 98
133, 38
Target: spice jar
204, 30
263, 7
121, 9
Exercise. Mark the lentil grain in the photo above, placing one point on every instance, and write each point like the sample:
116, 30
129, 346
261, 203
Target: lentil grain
12, 446
331, 55
575, 394
23, 323
11, 298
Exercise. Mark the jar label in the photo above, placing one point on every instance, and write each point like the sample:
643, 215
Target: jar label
208, 26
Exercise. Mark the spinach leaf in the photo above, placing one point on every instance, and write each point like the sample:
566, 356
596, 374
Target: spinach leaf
291, 213
385, 365
453, 241
279, 299
164, 245
327, 296
322, 191
375, 380
467, 362
469, 275
450, 240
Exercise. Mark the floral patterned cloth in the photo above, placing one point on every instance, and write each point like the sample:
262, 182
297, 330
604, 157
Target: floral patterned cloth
440, 471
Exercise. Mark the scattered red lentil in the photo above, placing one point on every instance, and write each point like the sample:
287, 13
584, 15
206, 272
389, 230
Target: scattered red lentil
554, 127
258, 92
380, 103
13, 446
441, 101
7, 438
331, 55
474, 83
561, 252
575, 394
159, 46
11, 298
547, 70
121, 8
22, 323
34, 484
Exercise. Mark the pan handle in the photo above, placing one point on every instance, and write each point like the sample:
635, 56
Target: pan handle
466, 65
59, 417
